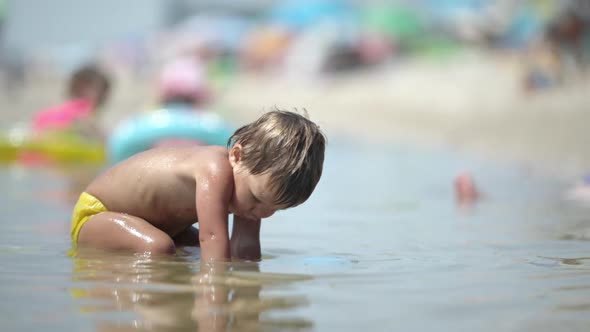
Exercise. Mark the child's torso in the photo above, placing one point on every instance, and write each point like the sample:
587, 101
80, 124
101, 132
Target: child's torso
157, 185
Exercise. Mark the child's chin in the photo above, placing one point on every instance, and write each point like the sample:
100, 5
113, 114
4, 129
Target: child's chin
248, 216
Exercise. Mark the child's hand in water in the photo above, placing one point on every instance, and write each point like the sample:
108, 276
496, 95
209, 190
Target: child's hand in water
245, 239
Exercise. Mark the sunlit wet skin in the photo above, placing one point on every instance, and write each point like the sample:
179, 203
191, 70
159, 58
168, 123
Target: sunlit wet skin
119, 231
110, 230
152, 200
157, 186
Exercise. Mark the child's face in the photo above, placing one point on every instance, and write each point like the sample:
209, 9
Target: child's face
252, 197
94, 92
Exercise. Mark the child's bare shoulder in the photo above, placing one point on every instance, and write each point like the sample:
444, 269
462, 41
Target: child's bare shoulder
193, 161
162, 162
215, 153
179, 156
152, 170
213, 159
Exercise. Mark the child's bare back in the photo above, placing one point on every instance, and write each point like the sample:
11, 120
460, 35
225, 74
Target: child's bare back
159, 185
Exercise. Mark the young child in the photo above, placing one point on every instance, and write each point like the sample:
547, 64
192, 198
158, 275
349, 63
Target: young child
183, 85
149, 202
88, 89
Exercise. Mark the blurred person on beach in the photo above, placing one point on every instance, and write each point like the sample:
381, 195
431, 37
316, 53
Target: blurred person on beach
542, 68
567, 35
560, 55
149, 202
87, 91
466, 192
183, 85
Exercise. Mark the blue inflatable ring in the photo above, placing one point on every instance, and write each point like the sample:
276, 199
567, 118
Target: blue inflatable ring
140, 133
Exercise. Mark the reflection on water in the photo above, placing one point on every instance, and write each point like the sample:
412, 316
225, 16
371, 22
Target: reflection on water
167, 294
380, 246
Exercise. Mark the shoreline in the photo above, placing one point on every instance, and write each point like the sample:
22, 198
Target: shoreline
473, 104
482, 111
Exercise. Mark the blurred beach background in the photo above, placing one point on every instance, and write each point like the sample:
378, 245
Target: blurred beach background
484, 77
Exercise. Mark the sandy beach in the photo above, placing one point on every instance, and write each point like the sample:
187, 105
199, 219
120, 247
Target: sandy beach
473, 103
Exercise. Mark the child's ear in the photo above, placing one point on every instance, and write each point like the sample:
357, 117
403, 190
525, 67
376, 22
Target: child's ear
235, 155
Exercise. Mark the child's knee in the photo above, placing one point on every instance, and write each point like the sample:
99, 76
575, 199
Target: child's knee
161, 245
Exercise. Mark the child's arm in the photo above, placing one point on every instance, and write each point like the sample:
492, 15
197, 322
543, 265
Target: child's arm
212, 196
245, 239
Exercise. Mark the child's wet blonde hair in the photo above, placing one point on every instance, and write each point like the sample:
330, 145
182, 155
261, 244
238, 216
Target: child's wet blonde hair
287, 145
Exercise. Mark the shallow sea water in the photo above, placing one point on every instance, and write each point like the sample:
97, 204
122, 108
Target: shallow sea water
380, 246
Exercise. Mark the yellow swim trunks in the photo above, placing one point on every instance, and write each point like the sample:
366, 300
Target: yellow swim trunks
86, 207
